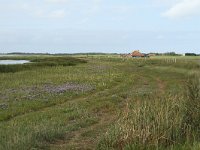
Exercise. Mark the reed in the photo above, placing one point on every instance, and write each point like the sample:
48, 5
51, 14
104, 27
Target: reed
156, 122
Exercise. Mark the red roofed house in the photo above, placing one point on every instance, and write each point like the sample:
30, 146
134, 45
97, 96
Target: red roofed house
137, 54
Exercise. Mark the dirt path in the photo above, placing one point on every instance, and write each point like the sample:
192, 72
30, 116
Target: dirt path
161, 85
80, 140
87, 138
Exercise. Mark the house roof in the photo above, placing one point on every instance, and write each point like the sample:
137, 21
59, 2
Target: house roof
137, 54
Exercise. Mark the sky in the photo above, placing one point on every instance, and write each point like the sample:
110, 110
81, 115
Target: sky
111, 26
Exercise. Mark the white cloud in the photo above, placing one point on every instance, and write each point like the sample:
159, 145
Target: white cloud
160, 37
166, 2
57, 1
183, 8
85, 9
57, 14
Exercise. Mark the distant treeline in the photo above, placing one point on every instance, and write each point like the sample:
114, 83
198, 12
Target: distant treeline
174, 54
20, 53
93, 53
86, 54
166, 54
171, 54
191, 54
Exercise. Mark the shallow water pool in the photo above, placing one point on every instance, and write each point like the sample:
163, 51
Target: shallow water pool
12, 62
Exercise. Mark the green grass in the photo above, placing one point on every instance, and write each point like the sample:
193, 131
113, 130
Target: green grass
40, 61
133, 104
155, 123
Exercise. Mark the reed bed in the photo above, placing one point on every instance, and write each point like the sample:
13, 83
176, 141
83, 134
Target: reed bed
158, 122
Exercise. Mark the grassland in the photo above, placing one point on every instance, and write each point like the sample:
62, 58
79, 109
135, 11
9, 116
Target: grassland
100, 102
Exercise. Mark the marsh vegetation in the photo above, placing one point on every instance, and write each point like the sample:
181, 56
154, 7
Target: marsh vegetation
59, 102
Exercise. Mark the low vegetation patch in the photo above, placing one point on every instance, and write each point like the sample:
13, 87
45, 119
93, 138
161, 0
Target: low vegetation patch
67, 87
36, 62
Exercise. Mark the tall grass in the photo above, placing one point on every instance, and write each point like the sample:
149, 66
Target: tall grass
178, 64
192, 113
158, 122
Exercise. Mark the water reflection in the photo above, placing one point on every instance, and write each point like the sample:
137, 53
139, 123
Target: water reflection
11, 62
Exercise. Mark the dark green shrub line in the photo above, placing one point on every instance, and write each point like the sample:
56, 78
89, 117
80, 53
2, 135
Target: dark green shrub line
40, 62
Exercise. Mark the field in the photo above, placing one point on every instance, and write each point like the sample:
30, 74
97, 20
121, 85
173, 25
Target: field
100, 102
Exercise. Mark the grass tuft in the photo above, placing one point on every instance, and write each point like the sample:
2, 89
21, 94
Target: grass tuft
157, 122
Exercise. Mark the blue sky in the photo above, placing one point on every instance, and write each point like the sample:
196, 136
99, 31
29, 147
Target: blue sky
70, 26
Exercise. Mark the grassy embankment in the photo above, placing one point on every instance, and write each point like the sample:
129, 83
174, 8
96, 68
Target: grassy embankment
109, 103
